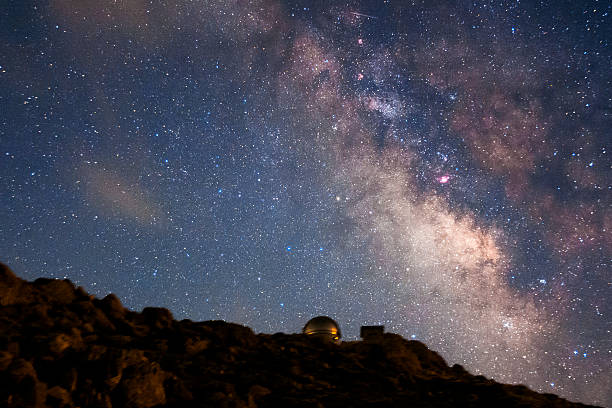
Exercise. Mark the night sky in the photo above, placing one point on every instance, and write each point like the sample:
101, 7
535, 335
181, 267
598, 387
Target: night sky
439, 167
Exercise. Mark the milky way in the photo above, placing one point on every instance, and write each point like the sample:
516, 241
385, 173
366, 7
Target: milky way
441, 169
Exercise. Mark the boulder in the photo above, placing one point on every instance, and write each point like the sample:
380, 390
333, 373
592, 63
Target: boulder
12, 290
112, 306
23, 386
55, 290
57, 397
142, 386
157, 317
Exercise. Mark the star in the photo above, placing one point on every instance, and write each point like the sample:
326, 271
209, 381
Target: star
446, 166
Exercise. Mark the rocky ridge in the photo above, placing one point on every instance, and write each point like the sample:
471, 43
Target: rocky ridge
61, 347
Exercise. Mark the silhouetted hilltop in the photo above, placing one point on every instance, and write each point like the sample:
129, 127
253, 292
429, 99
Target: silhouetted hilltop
60, 347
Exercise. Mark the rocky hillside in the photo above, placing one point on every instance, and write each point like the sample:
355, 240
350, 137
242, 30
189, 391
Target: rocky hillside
60, 347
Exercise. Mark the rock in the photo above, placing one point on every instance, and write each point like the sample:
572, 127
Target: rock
398, 350
13, 347
429, 360
5, 360
108, 367
59, 343
112, 306
101, 400
23, 386
55, 290
68, 378
20, 369
195, 345
60, 347
101, 322
95, 352
7, 277
38, 316
157, 317
176, 390
87, 395
256, 392
82, 294
10, 287
57, 397
232, 334
142, 386
87, 328
458, 370
119, 340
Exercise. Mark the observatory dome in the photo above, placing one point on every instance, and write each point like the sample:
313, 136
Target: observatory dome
323, 327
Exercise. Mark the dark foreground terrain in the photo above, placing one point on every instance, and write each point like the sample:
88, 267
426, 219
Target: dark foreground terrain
60, 347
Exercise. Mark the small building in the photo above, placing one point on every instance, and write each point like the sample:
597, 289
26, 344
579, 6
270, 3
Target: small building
369, 333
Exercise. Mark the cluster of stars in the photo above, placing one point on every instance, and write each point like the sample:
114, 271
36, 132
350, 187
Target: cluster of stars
442, 170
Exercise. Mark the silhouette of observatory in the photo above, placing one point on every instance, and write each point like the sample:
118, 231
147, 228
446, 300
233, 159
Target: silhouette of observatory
327, 329
324, 328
